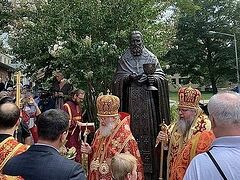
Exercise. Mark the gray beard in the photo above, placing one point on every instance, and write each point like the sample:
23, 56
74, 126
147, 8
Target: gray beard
184, 126
105, 131
136, 50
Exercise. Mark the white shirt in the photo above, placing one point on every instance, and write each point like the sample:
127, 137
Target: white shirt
226, 151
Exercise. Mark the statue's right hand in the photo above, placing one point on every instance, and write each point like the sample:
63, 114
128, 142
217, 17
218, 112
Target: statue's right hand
133, 77
86, 148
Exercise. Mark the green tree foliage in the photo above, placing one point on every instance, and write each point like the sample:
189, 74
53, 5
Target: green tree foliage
206, 57
82, 36
5, 16
5, 13
52, 33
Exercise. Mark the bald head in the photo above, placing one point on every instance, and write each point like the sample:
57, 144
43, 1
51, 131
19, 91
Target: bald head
59, 76
9, 115
225, 108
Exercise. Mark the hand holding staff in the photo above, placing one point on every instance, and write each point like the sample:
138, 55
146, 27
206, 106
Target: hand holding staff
85, 147
163, 137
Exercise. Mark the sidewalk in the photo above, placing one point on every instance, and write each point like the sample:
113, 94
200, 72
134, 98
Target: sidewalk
204, 101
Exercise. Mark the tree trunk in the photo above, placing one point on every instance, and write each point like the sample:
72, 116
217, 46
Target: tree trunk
211, 69
214, 86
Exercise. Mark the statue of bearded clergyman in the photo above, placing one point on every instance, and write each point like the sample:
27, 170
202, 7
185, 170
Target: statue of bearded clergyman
147, 108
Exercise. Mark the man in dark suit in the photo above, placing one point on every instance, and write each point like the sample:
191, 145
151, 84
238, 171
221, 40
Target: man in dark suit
42, 160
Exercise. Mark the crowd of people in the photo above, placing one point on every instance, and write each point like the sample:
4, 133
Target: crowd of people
114, 152
42, 140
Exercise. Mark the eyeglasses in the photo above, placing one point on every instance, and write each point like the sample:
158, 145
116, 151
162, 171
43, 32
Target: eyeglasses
184, 110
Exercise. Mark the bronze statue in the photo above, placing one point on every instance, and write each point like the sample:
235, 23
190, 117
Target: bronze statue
148, 106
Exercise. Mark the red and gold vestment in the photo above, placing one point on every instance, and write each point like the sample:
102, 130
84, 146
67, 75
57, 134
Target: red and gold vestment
73, 139
104, 148
9, 147
199, 143
178, 141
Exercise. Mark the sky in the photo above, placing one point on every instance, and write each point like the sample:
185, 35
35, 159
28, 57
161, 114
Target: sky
4, 40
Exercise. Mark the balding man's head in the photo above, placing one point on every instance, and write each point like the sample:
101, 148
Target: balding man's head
59, 75
225, 108
9, 115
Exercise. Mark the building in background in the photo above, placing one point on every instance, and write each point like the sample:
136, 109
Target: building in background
6, 70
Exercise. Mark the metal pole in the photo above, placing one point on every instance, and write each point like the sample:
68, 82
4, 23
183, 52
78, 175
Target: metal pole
18, 88
235, 46
236, 55
226, 34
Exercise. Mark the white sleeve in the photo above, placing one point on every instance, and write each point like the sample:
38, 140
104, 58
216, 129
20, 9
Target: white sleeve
201, 168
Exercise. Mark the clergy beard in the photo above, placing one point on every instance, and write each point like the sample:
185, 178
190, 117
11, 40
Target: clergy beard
136, 50
184, 126
107, 130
